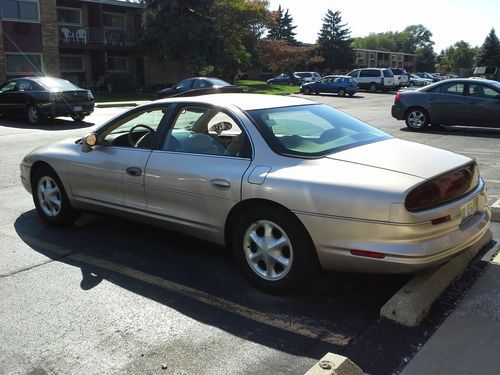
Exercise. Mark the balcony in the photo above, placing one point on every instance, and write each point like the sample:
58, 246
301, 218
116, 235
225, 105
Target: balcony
97, 38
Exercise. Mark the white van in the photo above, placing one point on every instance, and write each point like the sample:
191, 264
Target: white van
373, 79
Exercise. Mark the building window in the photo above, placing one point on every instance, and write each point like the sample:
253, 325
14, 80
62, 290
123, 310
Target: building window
117, 64
69, 16
71, 63
28, 63
26, 10
113, 20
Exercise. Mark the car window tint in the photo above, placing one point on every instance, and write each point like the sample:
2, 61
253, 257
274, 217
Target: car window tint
199, 83
370, 73
24, 85
8, 87
184, 85
312, 130
204, 131
337, 80
138, 125
452, 88
481, 91
388, 73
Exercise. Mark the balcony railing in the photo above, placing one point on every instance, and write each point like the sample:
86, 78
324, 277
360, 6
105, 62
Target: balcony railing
77, 35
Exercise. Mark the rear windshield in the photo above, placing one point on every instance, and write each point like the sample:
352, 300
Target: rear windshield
312, 130
57, 84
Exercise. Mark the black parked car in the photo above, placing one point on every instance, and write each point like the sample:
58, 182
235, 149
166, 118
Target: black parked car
285, 79
466, 102
198, 86
38, 97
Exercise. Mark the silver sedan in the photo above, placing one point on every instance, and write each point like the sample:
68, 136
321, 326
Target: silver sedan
289, 184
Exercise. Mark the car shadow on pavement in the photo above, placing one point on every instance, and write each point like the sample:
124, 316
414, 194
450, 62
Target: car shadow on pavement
460, 131
46, 124
336, 313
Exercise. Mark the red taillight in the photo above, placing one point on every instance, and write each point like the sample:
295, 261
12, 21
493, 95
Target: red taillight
369, 254
397, 98
441, 220
443, 189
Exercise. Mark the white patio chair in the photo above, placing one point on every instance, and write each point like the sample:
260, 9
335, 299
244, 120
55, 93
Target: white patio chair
81, 36
68, 35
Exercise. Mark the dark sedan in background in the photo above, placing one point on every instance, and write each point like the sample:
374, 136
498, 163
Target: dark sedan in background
285, 79
199, 86
39, 97
466, 102
340, 85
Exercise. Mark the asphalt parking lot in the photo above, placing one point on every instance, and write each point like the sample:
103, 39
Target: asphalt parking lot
114, 296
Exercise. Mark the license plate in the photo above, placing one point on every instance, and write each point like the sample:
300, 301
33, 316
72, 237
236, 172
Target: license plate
469, 209
78, 108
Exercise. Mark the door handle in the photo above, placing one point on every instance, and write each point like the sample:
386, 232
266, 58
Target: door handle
220, 184
134, 171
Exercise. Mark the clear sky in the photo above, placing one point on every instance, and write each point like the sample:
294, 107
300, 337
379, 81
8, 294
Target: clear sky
448, 20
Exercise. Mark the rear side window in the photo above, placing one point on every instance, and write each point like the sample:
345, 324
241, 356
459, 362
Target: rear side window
370, 73
450, 89
354, 73
388, 73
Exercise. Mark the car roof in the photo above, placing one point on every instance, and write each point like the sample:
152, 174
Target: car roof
243, 101
337, 75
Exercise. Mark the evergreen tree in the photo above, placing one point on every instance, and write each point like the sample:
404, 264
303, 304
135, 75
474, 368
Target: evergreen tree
335, 41
489, 54
282, 27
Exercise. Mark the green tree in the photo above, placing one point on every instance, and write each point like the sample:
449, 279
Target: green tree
282, 27
421, 36
489, 54
426, 59
459, 56
334, 41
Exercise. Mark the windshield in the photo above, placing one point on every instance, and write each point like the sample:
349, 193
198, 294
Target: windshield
57, 84
312, 130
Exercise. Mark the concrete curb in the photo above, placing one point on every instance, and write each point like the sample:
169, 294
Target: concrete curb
412, 302
334, 364
495, 211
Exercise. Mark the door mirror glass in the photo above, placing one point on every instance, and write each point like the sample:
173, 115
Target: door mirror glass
88, 142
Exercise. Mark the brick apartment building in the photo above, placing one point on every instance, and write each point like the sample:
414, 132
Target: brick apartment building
368, 58
80, 40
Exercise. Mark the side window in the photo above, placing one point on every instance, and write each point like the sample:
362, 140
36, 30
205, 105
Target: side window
338, 80
136, 130
199, 84
481, 91
184, 85
354, 73
452, 89
388, 73
205, 131
24, 85
8, 87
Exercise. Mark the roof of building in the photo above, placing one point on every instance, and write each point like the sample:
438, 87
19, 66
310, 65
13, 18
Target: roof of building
124, 3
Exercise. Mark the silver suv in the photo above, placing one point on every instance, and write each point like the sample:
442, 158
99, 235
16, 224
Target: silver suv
373, 79
308, 76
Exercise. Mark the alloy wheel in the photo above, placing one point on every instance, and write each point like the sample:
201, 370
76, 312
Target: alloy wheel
49, 196
416, 119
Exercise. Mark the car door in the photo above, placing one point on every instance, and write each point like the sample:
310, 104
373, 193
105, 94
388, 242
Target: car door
445, 103
7, 97
194, 179
112, 174
482, 105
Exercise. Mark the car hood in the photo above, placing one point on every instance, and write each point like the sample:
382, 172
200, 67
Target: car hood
401, 156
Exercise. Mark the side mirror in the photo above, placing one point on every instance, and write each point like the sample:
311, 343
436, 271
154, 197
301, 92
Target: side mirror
220, 127
88, 142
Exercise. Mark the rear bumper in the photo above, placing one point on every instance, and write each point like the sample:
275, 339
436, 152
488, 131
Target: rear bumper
398, 112
65, 109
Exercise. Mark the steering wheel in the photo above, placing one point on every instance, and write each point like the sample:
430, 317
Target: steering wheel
131, 140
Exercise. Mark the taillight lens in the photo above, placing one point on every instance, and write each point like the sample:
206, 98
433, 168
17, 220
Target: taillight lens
397, 98
443, 189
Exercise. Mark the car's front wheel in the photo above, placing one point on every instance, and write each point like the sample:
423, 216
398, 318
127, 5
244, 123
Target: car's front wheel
417, 119
307, 91
273, 249
49, 196
341, 92
77, 117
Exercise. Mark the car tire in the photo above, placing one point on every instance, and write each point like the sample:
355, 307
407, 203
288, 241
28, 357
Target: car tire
411, 84
32, 114
49, 196
293, 260
417, 119
78, 117
307, 91
341, 92
372, 87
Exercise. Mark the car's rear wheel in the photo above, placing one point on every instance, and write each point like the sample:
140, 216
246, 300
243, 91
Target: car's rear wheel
32, 114
49, 196
307, 91
417, 119
372, 87
341, 92
77, 117
411, 84
273, 249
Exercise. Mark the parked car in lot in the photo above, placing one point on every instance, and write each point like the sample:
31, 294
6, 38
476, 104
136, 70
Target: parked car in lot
373, 79
467, 102
418, 81
43, 97
308, 76
340, 85
430, 76
285, 79
198, 86
401, 77
289, 184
